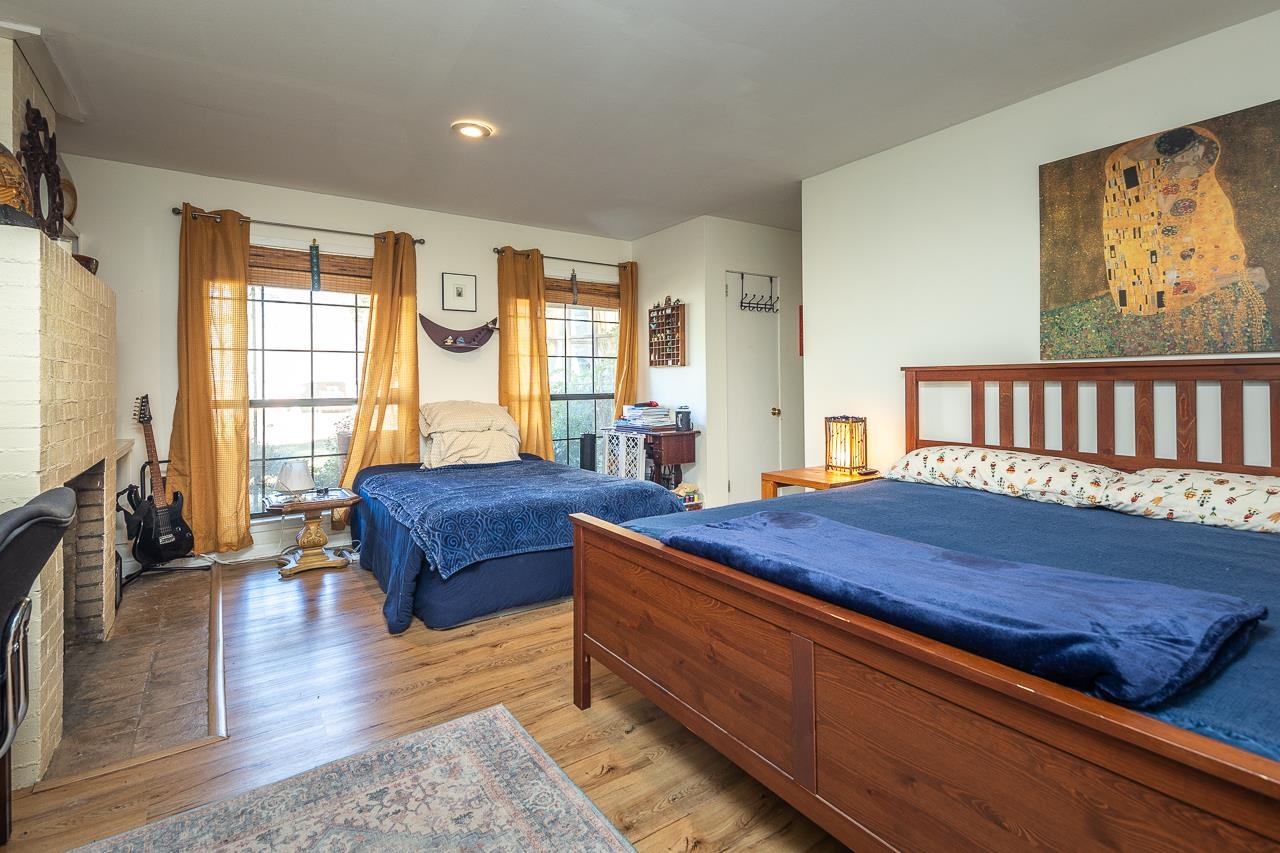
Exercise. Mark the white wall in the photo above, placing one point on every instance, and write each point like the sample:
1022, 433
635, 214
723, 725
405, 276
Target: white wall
125, 221
672, 262
688, 261
928, 253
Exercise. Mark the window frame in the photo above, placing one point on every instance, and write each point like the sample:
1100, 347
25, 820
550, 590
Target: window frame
271, 267
592, 296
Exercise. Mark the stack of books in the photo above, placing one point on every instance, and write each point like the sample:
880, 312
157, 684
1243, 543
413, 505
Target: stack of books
646, 418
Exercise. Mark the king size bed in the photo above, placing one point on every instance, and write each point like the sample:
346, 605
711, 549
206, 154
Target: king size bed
892, 740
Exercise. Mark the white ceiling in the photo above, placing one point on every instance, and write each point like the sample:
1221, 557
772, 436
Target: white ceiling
615, 117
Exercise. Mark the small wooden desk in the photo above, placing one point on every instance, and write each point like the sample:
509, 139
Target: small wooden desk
668, 450
816, 477
312, 553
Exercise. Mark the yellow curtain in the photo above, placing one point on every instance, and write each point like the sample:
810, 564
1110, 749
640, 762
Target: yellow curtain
209, 445
385, 428
523, 386
624, 383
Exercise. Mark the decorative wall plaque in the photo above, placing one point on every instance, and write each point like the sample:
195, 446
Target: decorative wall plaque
39, 153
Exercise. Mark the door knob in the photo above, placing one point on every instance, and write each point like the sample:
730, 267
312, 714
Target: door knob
775, 411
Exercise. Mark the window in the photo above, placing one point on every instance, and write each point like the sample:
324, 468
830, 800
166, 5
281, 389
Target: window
306, 353
582, 351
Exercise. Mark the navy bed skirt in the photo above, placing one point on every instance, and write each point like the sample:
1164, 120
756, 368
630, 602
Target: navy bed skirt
492, 586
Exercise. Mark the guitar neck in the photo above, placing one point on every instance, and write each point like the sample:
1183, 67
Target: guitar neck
158, 495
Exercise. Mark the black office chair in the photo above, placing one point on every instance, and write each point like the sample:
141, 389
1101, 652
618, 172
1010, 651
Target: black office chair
28, 537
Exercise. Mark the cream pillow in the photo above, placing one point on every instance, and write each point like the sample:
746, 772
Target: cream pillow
464, 432
1048, 479
469, 448
1219, 498
465, 416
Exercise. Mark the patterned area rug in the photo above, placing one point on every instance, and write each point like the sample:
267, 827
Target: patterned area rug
479, 782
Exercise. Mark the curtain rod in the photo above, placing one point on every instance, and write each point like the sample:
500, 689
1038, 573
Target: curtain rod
244, 220
498, 251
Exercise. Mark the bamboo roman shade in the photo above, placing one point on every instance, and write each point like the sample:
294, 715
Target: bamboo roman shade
590, 293
271, 267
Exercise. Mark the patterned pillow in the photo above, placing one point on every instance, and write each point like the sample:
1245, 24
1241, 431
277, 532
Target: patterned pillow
1238, 501
1049, 479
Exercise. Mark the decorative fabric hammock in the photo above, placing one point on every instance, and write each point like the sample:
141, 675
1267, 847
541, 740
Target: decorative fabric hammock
458, 339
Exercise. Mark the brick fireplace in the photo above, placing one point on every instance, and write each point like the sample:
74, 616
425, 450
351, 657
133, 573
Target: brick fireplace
88, 570
57, 426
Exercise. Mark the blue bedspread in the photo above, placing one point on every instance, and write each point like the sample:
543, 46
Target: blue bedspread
1133, 642
1240, 706
462, 514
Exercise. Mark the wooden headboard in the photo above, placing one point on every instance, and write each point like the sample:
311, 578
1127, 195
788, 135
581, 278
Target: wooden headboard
1230, 375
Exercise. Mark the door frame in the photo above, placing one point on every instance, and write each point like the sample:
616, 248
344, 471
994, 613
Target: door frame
753, 489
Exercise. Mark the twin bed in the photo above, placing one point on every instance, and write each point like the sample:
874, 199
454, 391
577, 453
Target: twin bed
460, 542
891, 740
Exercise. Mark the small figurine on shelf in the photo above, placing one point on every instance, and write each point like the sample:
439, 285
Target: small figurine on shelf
461, 341
448, 341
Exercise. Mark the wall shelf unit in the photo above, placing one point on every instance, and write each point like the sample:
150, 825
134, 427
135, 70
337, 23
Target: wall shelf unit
666, 335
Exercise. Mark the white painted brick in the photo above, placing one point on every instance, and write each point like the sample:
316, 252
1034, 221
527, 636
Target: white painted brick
57, 375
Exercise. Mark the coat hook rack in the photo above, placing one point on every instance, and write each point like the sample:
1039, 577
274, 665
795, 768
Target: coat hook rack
766, 302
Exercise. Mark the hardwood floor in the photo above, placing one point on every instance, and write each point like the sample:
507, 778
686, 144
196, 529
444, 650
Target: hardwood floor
312, 675
145, 690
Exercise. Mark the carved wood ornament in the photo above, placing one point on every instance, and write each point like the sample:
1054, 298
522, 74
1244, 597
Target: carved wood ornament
39, 152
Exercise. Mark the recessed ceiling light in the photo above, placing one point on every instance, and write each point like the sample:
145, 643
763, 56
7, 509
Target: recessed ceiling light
472, 129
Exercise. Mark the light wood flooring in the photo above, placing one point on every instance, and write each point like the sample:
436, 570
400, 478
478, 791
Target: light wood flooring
312, 675
145, 690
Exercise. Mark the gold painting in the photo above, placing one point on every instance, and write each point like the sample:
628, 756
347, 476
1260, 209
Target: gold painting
1162, 245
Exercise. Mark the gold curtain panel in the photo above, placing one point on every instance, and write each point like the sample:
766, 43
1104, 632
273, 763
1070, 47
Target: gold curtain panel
385, 426
523, 385
208, 448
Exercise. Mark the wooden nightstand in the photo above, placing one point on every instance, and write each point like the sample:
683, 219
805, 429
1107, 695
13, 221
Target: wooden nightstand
311, 553
816, 477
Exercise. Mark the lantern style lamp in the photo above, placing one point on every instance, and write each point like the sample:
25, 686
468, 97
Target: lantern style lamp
847, 444
295, 477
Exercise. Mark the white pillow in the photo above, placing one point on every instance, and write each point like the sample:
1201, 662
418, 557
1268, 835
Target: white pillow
1048, 479
464, 432
1219, 498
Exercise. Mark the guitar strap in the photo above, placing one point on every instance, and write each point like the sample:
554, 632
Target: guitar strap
132, 518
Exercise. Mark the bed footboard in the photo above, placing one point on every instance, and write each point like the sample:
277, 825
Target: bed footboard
889, 740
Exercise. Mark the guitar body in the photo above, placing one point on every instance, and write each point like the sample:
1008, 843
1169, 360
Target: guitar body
164, 535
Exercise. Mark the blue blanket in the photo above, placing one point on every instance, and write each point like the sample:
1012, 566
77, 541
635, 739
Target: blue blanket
1133, 642
462, 514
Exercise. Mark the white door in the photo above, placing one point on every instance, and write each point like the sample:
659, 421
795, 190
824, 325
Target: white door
754, 425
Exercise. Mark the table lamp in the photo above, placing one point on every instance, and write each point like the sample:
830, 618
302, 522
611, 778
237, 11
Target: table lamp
847, 444
295, 477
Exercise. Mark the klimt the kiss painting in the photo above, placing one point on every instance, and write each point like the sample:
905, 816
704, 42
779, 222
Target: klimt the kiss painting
1163, 245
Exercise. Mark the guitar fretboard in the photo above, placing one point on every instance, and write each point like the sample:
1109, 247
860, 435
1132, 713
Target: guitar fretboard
158, 495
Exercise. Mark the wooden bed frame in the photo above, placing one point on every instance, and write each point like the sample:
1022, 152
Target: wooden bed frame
889, 740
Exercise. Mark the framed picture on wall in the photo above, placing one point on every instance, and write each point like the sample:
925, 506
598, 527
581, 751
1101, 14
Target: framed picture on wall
459, 291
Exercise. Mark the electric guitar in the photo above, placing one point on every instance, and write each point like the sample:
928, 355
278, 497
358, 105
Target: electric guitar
162, 535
